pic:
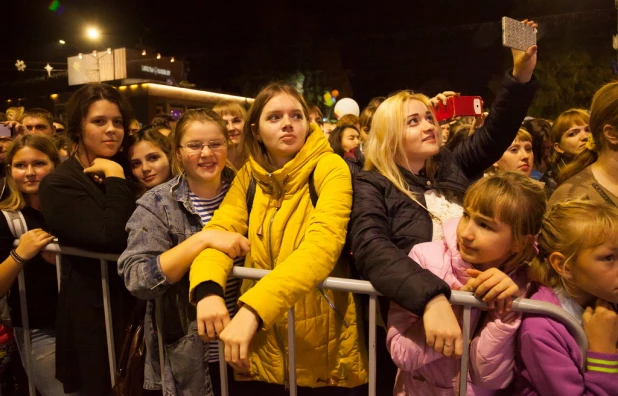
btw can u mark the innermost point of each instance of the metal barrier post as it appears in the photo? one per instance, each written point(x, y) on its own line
point(159, 322)
point(21, 280)
point(58, 269)
point(222, 369)
point(109, 330)
point(372, 344)
point(463, 372)
point(292, 351)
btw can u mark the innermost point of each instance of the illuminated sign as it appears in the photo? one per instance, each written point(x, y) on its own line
point(156, 70)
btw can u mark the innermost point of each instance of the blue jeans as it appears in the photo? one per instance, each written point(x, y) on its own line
point(43, 359)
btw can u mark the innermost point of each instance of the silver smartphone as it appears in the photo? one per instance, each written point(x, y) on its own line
point(517, 35)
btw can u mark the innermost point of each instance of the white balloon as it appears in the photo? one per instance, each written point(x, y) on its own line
point(346, 106)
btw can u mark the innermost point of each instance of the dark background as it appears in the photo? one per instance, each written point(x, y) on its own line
point(363, 49)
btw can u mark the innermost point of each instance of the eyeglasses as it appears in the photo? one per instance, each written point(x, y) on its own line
point(196, 147)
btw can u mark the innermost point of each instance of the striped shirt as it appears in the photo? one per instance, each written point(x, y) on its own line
point(206, 208)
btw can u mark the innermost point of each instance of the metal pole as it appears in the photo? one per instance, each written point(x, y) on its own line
point(372, 344)
point(292, 351)
point(109, 330)
point(58, 269)
point(463, 372)
point(26, 326)
point(222, 369)
point(159, 321)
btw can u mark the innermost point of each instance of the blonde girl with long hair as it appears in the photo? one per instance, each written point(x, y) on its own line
point(577, 270)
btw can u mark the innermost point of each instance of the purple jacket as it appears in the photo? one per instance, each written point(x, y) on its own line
point(422, 371)
point(549, 360)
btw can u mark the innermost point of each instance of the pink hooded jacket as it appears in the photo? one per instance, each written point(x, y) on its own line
point(423, 371)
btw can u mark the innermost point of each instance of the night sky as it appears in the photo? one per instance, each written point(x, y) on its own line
point(236, 47)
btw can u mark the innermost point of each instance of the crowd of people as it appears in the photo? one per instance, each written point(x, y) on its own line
point(503, 206)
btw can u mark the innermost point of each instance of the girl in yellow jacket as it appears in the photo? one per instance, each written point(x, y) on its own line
point(298, 242)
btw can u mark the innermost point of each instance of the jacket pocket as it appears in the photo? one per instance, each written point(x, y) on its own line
point(187, 358)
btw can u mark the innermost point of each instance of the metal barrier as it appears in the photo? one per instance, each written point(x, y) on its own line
point(70, 251)
point(337, 284)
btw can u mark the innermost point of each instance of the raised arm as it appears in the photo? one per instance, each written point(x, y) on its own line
point(508, 110)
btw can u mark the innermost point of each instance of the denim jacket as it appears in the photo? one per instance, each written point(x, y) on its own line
point(164, 218)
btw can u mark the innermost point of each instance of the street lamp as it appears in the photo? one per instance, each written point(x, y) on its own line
point(92, 33)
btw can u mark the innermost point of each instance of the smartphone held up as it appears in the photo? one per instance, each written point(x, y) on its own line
point(457, 106)
point(517, 35)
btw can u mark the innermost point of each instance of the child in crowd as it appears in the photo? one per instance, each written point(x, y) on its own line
point(484, 251)
point(576, 269)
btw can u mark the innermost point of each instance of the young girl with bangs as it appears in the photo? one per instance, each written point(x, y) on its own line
point(484, 251)
point(165, 236)
point(577, 270)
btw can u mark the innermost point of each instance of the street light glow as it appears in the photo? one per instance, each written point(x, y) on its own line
point(62, 42)
point(92, 33)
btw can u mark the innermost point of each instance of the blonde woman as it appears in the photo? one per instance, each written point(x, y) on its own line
point(234, 116)
point(411, 185)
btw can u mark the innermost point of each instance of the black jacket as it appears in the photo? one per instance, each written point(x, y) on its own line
point(83, 214)
point(385, 224)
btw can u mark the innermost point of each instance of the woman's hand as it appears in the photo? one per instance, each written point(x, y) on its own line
point(237, 336)
point(601, 327)
point(212, 317)
point(32, 242)
point(17, 129)
point(231, 243)
point(106, 168)
point(442, 330)
point(493, 287)
point(442, 97)
point(524, 62)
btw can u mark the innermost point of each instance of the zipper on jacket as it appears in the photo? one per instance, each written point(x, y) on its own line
point(272, 267)
point(333, 307)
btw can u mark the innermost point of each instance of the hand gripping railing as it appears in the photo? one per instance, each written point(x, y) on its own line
point(364, 287)
point(338, 284)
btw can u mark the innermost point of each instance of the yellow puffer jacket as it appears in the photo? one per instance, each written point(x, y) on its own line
point(301, 245)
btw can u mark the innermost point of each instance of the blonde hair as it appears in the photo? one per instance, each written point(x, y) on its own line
point(386, 138)
point(42, 143)
point(228, 107)
point(514, 199)
point(234, 109)
point(567, 228)
point(523, 136)
point(603, 111)
point(188, 118)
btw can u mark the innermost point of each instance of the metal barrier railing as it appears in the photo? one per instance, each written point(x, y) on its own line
point(337, 284)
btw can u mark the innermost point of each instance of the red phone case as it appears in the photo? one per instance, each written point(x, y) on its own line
point(459, 106)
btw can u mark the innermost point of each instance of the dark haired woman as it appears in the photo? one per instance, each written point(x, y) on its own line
point(29, 160)
point(150, 157)
point(87, 202)
point(345, 141)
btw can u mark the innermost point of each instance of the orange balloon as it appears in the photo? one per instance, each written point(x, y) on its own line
point(335, 93)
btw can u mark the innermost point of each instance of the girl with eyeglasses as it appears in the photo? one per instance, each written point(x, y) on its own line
point(165, 236)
